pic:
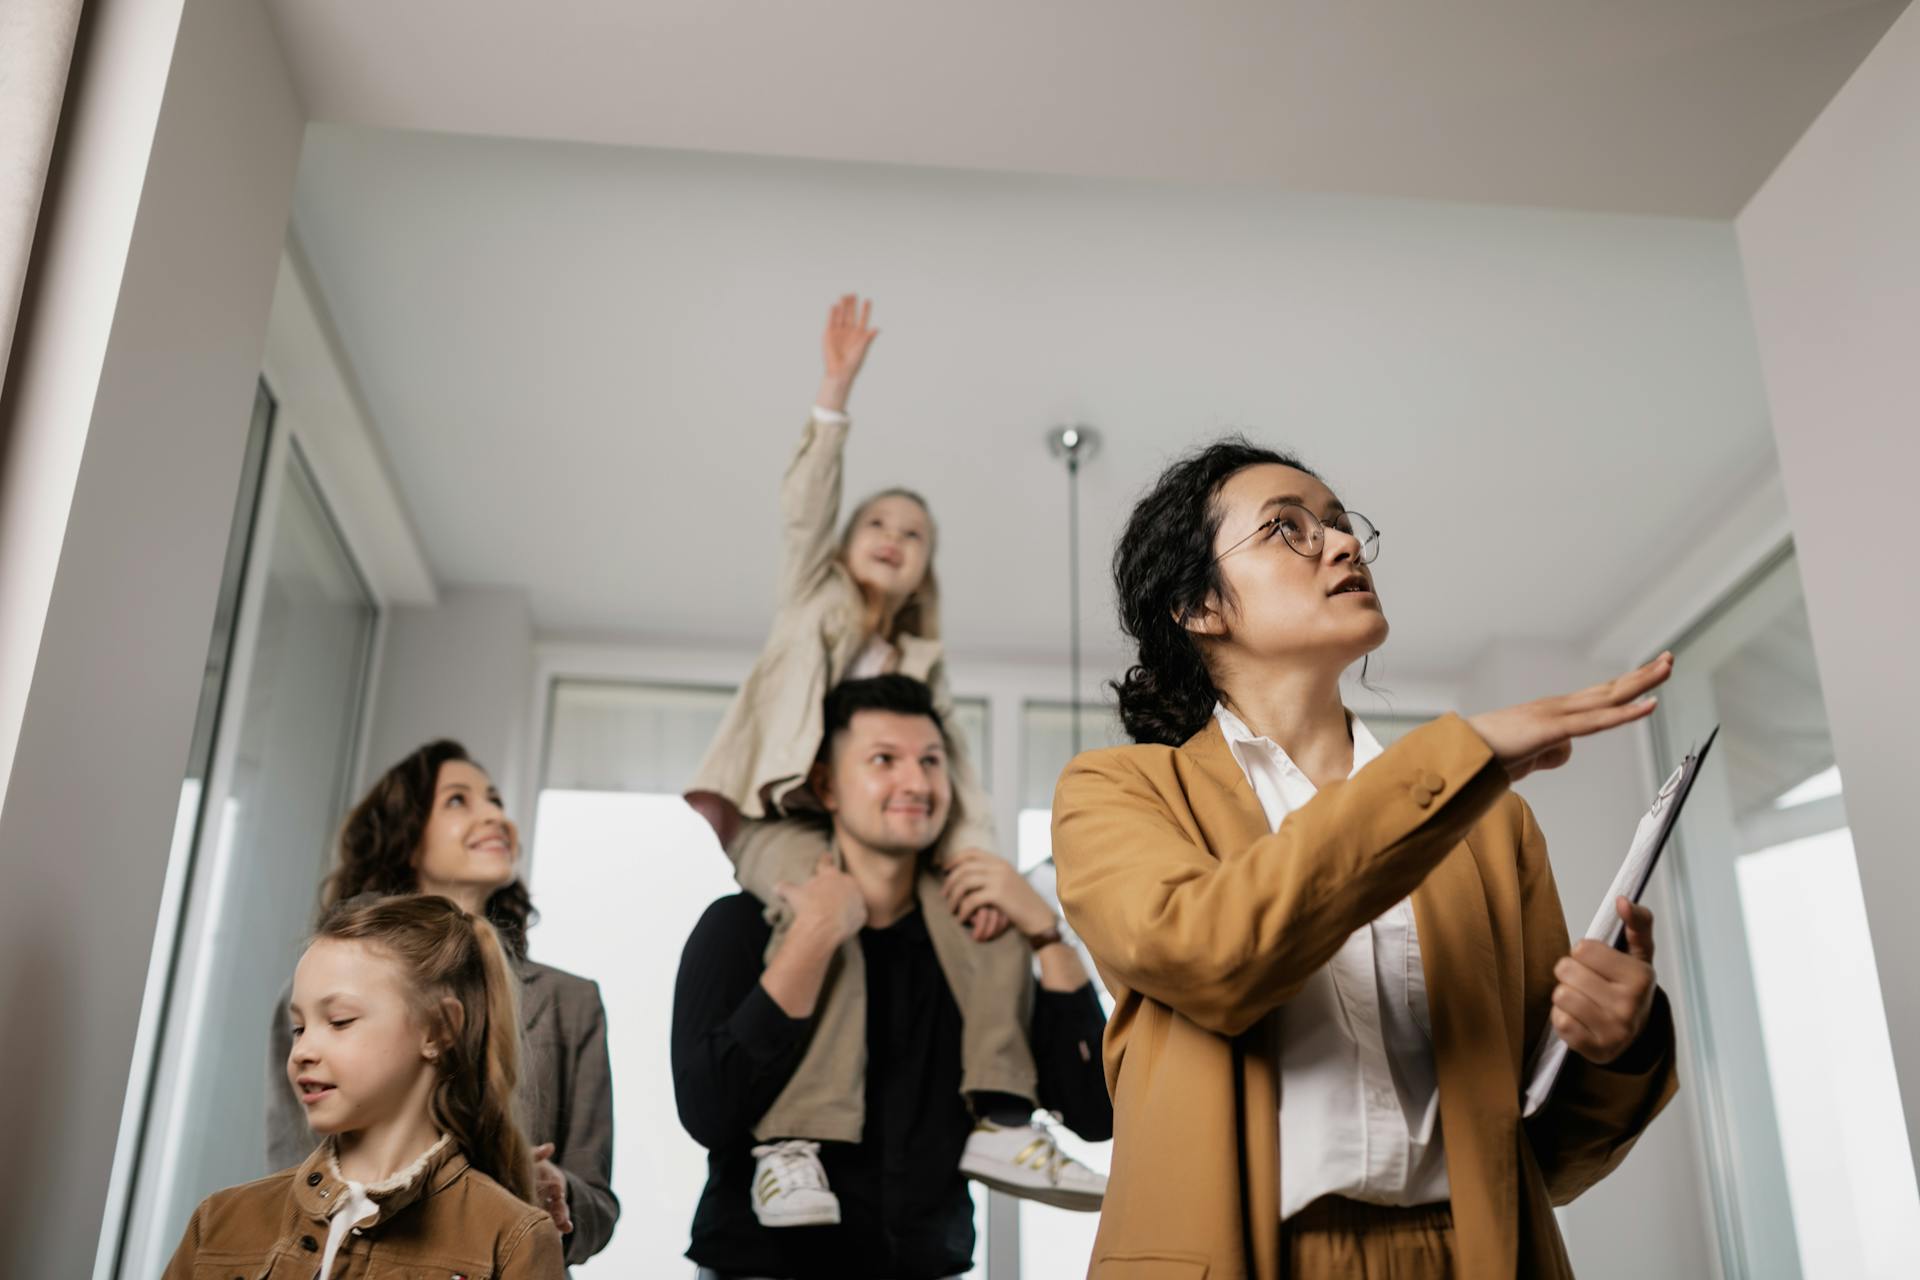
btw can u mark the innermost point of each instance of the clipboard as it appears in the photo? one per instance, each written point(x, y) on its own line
point(1643, 855)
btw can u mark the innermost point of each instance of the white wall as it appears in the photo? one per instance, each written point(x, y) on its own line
point(604, 339)
point(1588, 811)
point(86, 226)
point(460, 669)
point(135, 394)
point(35, 56)
point(1833, 270)
point(317, 398)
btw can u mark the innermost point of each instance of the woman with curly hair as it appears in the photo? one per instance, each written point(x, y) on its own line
point(1330, 960)
point(434, 824)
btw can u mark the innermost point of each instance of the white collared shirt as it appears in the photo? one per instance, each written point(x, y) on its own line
point(1359, 1104)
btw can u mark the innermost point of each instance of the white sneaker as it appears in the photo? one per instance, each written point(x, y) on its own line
point(1023, 1161)
point(790, 1186)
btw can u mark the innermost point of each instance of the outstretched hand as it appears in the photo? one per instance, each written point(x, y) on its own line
point(1540, 734)
point(844, 344)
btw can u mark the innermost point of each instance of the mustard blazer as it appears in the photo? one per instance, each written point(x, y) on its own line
point(1203, 923)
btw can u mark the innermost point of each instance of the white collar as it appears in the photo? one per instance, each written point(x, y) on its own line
point(1366, 748)
point(393, 1182)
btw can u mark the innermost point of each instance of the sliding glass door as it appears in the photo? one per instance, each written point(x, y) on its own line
point(1812, 1173)
point(280, 725)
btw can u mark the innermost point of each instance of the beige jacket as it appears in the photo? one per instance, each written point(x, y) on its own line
point(767, 742)
point(1203, 922)
point(447, 1220)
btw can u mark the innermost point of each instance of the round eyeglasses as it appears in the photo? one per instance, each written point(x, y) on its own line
point(1306, 533)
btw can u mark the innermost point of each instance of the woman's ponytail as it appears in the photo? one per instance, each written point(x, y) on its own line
point(464, 991)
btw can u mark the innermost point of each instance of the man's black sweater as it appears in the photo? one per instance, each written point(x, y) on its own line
point(905, 1212)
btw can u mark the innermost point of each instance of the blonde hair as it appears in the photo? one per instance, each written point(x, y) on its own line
point(920, 615)
point(447, 956)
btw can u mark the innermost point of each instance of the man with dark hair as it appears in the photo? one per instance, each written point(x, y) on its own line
point(743, 1021)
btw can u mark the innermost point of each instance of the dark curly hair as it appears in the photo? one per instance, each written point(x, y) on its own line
point(1163, 570)
point(380, 837)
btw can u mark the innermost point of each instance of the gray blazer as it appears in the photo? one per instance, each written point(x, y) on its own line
point(566, 1096)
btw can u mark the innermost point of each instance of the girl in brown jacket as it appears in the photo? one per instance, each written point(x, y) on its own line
point(1330, 961)
point(406, 1050)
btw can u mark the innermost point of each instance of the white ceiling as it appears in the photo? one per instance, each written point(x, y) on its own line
point(1648, 106)
point(589, 365)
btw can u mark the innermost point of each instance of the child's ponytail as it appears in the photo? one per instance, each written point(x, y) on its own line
point(465, 992)
point(498, 1146)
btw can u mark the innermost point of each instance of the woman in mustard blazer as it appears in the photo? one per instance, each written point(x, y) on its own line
point(1330, 961)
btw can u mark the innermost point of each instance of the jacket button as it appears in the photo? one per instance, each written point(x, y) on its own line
point(1422, 797)
point(1433, 782)
point(309, 1244)
point(313, 1179)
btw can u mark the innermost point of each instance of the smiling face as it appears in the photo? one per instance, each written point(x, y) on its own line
point(889, 546)
point(885, 782)
point(360, 1056)
point(1279, 605)
point(470, 847)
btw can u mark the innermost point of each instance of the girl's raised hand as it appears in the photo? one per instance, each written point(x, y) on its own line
point(844, 344)
point(1540, 734)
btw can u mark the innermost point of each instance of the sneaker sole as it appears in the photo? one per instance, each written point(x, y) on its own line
point(1057, 1197)
point(817, 1218)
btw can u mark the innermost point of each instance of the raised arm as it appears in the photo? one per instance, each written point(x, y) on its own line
point(810, 494)
point(844, 349)
point(1224, 936)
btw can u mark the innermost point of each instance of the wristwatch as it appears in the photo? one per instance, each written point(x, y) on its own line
point(1046, 938)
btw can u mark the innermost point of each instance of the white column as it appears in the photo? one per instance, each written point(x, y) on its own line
point(127, 415)
point(36, 49)
point(1833, 270)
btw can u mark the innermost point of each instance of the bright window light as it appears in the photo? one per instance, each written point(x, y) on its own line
point(1035, 837)
point(619, 880)
point(1820, 786)
point(1849, 1170)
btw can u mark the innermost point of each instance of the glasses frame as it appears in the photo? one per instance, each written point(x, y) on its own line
point(1369, 547)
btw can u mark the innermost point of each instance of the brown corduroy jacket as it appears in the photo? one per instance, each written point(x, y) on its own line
point(565, 1095)
point(450, 1220)
point(1204, 922)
